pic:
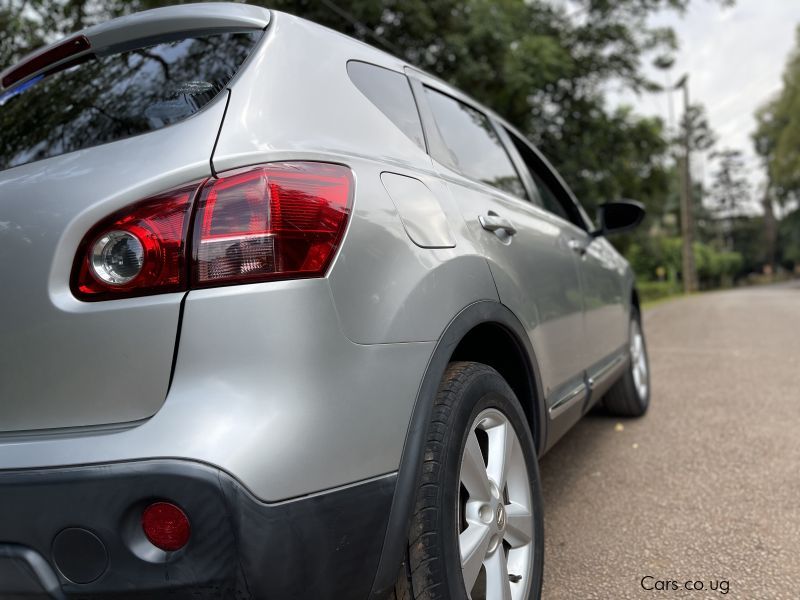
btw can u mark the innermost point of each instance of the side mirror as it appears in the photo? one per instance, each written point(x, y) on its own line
point(618, 216)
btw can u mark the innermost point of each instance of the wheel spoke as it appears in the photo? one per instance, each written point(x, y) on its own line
point(498, 587)
point(495, 540)
point(473, 470)
point(519, 525)
point(501, 446)
point(473, 542)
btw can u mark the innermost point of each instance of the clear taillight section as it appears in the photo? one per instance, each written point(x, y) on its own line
point(137, 251)
point(261, 223)
point(276, 221)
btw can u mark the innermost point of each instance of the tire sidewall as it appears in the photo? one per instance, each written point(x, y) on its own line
point(485, 391)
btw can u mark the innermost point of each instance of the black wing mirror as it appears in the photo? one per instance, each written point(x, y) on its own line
point(618, 216)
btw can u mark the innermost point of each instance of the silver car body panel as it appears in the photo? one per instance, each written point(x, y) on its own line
point(177, 20)
point(292, 387)
point(67, 363)
point(386, 289)
point(286, 411)
point(420, 211)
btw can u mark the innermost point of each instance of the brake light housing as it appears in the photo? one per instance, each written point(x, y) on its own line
point(260, 223)
point(48, 57)
point(137, 251)
point(275, 221)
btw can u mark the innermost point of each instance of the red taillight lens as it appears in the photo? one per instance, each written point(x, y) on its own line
point(274, 221)
point(166, 526)
point(137, 251)
point(262, 223)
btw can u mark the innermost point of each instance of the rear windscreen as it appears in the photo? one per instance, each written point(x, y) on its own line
point(106, 98)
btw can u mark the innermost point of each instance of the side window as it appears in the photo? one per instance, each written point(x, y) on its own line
point(474, 146)
point(549, 201)
point(553, 198)
point(390, 91)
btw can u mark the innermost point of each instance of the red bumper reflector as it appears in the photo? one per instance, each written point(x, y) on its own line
point(166, 526)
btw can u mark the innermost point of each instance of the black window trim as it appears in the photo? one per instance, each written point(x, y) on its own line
point(434, 144)
point(548, 174)
point(433, 137)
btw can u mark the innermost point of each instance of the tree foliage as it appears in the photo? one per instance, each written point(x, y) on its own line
point(777, 137)
point(544, 66)
point(730, 190)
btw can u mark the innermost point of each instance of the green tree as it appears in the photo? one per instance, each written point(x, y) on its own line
point(730, 189)
point(777, 141)
point(730, 193)
point(777, 138)
point(543, 65)
point(789, 238)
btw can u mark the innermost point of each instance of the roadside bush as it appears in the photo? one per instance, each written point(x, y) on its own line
point(657, 259)
point(655, 290)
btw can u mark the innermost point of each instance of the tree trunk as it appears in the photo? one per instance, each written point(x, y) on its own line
point(770, 230)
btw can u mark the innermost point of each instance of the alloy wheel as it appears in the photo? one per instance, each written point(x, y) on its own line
point(639, 361)
point(495, 524)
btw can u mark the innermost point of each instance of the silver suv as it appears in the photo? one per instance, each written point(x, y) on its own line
point(284, 317)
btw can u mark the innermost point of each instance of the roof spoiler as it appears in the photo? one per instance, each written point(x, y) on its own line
point(139, 29)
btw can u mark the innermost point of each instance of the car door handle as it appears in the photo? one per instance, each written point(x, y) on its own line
point(577, 246)
point(493, 222)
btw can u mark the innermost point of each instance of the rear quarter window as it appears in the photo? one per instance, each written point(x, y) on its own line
point(105, 98)
point(475, 150)
point(391, 92)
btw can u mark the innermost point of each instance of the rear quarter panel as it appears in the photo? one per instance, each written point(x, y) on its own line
point(296, 102)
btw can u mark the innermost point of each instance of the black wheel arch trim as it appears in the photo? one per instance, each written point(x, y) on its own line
point(478, 313)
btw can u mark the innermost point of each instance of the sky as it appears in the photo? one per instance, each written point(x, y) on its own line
point(735, 59)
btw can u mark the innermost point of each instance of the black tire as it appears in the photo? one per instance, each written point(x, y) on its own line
point(624, 399)
point(432, 570)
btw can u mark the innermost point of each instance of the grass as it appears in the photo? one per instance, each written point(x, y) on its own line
point(664, 299)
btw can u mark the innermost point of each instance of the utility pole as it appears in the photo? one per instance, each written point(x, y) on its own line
point(687, 207)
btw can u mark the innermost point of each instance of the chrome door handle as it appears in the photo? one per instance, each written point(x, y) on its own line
point(577, 246)
point(493, 222)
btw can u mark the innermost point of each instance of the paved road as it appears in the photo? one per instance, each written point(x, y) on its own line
point(706, 487)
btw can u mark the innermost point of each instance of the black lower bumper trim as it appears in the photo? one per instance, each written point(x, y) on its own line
point(321, 546)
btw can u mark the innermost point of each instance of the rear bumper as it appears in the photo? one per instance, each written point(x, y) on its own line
point(322, 546)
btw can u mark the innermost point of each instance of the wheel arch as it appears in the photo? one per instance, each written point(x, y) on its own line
point(635, 303)
point(475, 334)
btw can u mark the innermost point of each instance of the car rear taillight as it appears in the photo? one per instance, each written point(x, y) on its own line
point(276, 221)
point(139, 250)
point(261, 223)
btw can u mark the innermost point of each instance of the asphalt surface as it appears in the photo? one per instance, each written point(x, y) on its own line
point(704, 488)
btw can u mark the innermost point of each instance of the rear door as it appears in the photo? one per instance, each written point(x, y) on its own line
point(80, 142)
point(528, 250)
point(602, 269)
